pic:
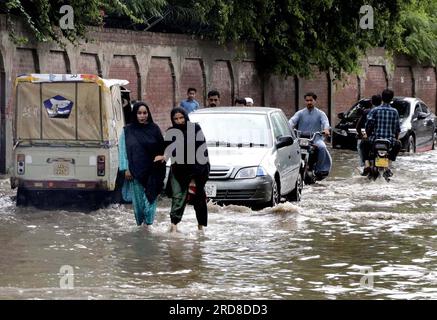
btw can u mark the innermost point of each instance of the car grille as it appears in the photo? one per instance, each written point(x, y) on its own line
point(220, 172)
point(235, 194)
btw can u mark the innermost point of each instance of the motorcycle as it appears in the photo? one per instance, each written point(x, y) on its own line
point(380, 162)
point(309, 154)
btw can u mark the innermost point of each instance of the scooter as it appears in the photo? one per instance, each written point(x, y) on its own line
point(380, 162)
point(309, 153)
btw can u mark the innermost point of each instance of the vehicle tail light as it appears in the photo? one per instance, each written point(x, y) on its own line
point(21, 160)
point(100, 166)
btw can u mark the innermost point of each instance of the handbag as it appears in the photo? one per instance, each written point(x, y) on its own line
point(126, 191)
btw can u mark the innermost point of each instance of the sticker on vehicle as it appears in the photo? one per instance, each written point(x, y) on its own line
point(58, 107)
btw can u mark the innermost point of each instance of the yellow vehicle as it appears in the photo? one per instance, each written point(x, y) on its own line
point(66, 131)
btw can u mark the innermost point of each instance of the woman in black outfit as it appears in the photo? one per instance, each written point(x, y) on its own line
point(189, 172)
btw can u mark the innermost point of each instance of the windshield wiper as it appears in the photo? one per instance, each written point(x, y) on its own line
point(235, 144)
point(251, 144)
point(219, 143)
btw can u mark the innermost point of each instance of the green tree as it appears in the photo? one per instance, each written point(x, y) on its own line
point(418, 23)
point(42, 18)
point(291, 37)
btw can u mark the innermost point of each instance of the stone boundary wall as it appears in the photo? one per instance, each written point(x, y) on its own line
point(160, 68)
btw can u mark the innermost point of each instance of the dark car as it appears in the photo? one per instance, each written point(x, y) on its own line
point(344, 135)
point(417, 124)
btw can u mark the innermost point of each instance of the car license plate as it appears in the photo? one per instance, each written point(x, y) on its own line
point(381, 162)
point(61, 169)
point(211, 190)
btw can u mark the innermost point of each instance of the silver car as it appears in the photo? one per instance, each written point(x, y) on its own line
point(417, 124)
point(255, 157)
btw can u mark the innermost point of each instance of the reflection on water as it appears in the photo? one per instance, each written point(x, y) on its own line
point(349, 238)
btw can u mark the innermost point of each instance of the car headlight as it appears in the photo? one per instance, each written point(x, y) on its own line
point(251, 172)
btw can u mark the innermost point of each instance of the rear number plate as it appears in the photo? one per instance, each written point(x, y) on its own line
point(211, 190)
point(381, 162)
point(61, 168)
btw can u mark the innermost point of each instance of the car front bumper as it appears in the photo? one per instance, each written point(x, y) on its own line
point(243, 191)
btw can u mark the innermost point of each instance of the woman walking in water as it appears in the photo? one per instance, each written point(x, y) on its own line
point(141, 157)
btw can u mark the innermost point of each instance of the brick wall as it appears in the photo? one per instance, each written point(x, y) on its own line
point(375, 81)
point(58, 62)
point(2, 115)
point(427, 86)
point(160, 68)
point(320, 86)
point(159, 91)
point(193, 76)
point(250, 83)
point(125, 67)
point(346, 94)
point(89, 63)
point(282, 93)
point(25, 62)
point(403, 81)
point(223, 82)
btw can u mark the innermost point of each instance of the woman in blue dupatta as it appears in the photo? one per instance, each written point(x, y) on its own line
point(141, 149)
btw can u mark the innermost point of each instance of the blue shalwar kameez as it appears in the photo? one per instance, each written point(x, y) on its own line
point(144, 210)
point(313, 121)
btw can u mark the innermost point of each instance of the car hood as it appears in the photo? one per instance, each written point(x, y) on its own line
point(244, 157)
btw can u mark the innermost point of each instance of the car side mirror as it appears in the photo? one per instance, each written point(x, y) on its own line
point(284, 141)
point(422, 115)
point(340, 115)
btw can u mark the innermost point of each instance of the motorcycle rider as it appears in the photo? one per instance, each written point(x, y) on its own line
point(310, 120)
point(383, 123)
point(361, 124)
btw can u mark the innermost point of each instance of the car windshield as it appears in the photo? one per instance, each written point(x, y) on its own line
point(355, 111)
point(234, 129)
point(403, 108)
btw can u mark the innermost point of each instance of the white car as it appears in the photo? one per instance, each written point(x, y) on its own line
point(254, 155)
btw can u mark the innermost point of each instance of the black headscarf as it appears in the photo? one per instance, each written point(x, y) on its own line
point(135, 108)
point(143, 143)
point(184, 172)
point(184, 113)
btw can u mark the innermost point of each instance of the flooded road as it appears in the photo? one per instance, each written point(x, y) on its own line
point(349, 238)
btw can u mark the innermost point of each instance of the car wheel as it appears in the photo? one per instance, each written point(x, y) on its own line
point(411, 146)
point(309, 177)
point(276, 195)
point(296, 194)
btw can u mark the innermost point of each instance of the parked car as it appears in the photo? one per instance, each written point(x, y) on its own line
point(417, 124)
point(344, 134)
point(254, 155)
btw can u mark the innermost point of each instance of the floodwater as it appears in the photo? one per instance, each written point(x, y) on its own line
point(349, 238)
